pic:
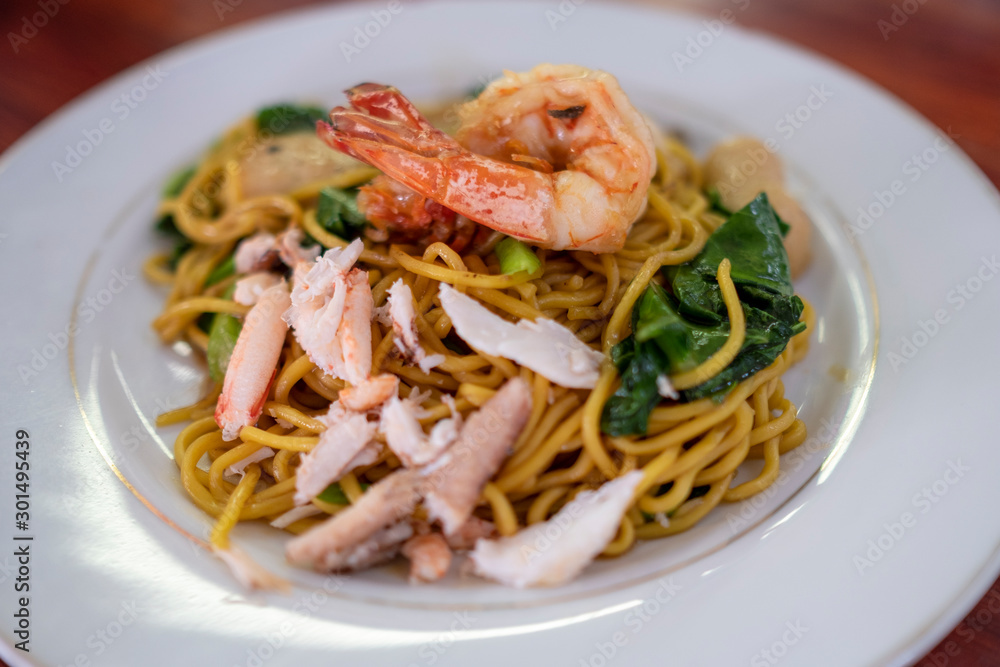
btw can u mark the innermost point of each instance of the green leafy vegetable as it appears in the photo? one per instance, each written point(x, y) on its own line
point(337, 212)
point(222, 336)
point(334, 495)
point(288, 118)
point(515, 256)
point(167, 227)
point(222, 271)
point(675, 332)
point(175, 184)
point(715, 201)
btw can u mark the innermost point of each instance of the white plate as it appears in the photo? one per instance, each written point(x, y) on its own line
point(844, 563)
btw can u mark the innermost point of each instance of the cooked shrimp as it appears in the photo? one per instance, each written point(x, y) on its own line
point(552, 552)
point(429, 557)
point(456, 479)
point(252, 364)
point(589, 152)
point(743, 167)
point(331, 311)
point(332, 544)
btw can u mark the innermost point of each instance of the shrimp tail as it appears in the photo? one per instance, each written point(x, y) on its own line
point(388, 103)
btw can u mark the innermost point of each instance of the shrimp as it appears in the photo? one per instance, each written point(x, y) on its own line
point(557, 156)
point(252, 364)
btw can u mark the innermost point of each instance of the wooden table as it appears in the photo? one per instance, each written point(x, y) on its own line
point(944, 60)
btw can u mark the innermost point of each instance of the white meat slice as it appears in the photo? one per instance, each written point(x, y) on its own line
point(544, 346)
point(346, 435)
point(290, 250)
point(470, 532)
point(370, 394)
point(240, 467)
point(248, 572)
point(404, 327)
point(455, 480)
point(256, 253)
point(249, 288)
point(330, 545)
point(555, 551)
point(429, 557)
point(331, 313)
point(295, 514)
point(400, 423)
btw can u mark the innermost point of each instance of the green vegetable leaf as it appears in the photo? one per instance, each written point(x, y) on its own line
point(222, 271)
point(288, 118)
point(175, 184)
point(627, 411)
point(715, 201)
point(515, 256)
point(167, 227)
point(675, 332)
point(222, 337)
point(337, 212)
point(751, 239)
point(335, 495)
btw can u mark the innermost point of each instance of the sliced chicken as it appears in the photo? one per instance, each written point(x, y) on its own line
point(370, 394)
point(347, 434)
point(544, 346)
point(332, 545)
point(455, 481)
point(287, 162)
point(555, 551)
point(429, 557)
point(404, 327)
